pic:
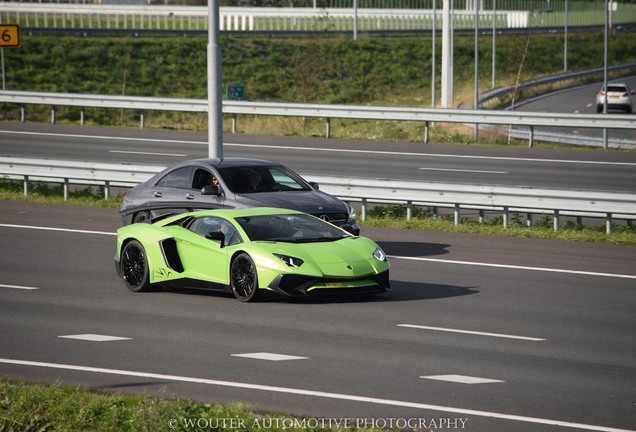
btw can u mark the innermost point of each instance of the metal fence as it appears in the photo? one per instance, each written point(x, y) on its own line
point(337, 16)
point(506, 200)
point(234, 108)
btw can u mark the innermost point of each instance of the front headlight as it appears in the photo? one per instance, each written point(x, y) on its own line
point(352, 214)
point(379, 255)
point(289, 260)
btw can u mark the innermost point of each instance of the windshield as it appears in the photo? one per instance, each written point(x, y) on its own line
point(262, 179)
point(293, 228)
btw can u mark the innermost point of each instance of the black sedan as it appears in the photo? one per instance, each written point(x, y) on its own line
point(232, 183)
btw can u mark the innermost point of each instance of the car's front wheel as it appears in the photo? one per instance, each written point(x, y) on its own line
point(243, 278)
point(134, 267)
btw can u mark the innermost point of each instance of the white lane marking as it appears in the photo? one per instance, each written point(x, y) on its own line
point(464, 170)
point(314, 149)
point(18, 287)
point(57, 229)
point(462, 379)
point(503, 158)
point(514, 267)
point(499, 335)
point(269, 356)
point(390, 256)
point(94, 337)
point(313, 393)
point(148, 153)
point(100, 137)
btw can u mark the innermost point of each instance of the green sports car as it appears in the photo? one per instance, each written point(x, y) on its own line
point(250, 252)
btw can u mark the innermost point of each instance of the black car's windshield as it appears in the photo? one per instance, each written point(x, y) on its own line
point(294, 228)
point(261, 179)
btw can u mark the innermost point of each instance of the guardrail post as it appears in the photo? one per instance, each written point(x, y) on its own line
point(529, 220)
point(506, 218)
point(233, 123)
point(26, 185)
point(409, 210)
point(481, 216)
point(23, 114)
point(364, 209)
point(426, 132)
point(143, 119)
point(608, 224)
point(456, 214)
point(52, 114)
point(106, 189)
point(328, 133)
point(531, 138)
point(82, 115)
point(66, 189)
point(556, 220)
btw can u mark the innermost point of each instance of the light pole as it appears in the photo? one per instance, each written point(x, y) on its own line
point(215, 95)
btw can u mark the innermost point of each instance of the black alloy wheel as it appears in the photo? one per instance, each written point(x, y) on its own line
point(243, 278)
point(134, 267)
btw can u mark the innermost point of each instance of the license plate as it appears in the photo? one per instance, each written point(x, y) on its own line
point(334, 284)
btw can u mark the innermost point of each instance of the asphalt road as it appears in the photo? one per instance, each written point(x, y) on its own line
point(493, 334)
point(563, 169)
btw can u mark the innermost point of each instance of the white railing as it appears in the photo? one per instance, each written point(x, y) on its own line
point(530, 200)
point(244, 18)
point(426, 115)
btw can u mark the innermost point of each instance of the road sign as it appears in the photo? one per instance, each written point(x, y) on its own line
point(9, 36)
point(236, 91)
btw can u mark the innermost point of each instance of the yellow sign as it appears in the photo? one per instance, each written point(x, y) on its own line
point(9, 36)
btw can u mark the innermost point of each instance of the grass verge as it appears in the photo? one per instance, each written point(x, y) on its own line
point(34, 408)
point(392, 216)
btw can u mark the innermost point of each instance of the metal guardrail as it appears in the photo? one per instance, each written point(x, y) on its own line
point(426, 115)
point(529, 200)
point(503, 92)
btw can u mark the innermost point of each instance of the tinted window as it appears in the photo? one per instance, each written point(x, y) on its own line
point(262, 179)
point(616, 89)
point(292, 228)
point(176, 179)
point(205, 225)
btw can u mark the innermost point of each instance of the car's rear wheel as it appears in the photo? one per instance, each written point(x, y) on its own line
point(134, 267)
point(243, 278)
point(142, 216)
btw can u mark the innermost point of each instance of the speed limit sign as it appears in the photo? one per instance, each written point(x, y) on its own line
point(9, 36)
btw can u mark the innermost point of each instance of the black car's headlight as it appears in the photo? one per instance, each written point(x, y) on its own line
point(352, 213)
point(290, 260)
point(379, 255)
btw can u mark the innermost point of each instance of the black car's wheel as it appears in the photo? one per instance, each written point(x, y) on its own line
point(134, 267)
point(243, 278)
point(142, 216)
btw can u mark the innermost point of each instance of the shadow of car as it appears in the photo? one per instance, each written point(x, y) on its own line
point(232, 183)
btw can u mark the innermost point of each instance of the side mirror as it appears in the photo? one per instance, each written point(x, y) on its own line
point(217, 236)
point(314, 185)
point(211, 190)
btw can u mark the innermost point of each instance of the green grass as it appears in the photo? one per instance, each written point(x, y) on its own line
point(372, 71)
point(392, 216)
point(34, 408)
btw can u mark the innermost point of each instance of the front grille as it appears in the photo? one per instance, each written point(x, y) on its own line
point(334, 218)
point(295, 285)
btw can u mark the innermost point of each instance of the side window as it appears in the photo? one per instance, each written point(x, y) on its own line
point(203, 178)
point(176, 179)
point(208, 224)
